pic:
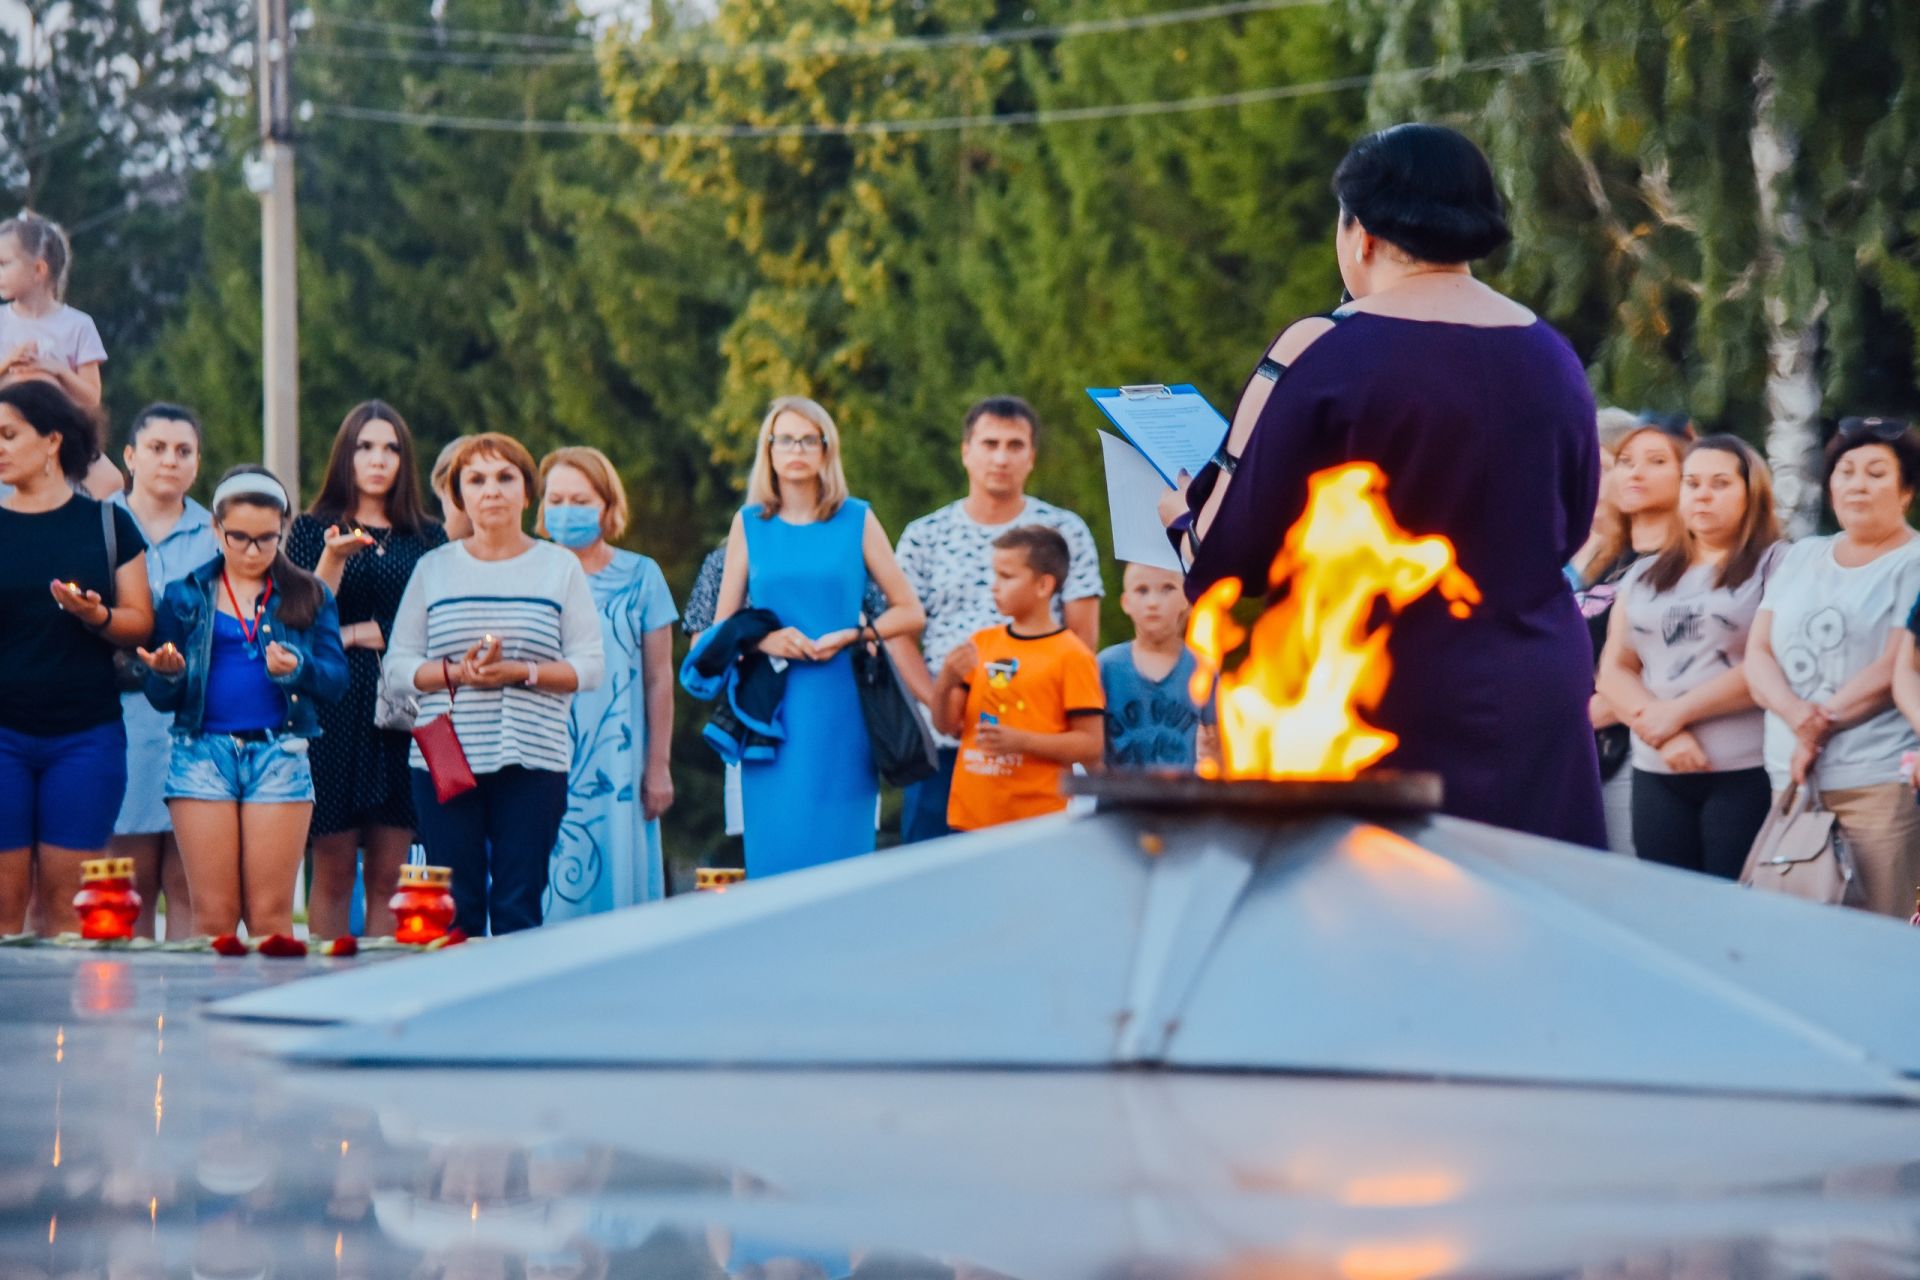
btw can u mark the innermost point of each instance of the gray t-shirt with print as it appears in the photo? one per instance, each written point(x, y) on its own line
point(1685, 637)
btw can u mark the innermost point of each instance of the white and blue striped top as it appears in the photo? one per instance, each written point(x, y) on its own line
point(540, 606)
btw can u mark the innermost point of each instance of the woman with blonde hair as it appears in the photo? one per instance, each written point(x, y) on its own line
point(1675, 666)
point(803, 550)
point(608, 853)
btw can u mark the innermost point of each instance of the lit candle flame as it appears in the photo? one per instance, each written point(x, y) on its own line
point(1291, 709)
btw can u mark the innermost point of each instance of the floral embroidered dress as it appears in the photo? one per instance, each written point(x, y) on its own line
point(608, 855)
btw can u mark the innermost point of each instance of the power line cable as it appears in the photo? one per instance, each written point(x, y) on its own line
point(937, 124)
point(847, 46)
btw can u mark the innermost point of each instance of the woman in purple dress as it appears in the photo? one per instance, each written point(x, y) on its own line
point(1481, 418)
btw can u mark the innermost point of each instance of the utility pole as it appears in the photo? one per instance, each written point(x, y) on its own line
point(271, 178)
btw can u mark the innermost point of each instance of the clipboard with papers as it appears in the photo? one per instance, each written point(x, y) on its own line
point(1173, 427)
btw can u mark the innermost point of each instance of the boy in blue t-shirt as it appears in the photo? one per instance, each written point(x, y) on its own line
point(1152, 722)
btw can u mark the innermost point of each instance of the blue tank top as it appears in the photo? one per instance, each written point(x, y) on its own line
point(240, 694)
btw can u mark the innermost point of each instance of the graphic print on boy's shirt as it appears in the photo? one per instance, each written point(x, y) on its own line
point(1033, 683)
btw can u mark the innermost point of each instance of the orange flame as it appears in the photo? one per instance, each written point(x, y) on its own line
point(1291, 709)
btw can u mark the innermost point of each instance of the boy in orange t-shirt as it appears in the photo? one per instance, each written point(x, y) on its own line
point(1024, 698)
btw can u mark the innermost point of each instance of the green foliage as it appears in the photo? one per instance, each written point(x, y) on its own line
point(1629, 160)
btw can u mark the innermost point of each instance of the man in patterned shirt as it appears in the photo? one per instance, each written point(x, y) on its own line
point(948, 557)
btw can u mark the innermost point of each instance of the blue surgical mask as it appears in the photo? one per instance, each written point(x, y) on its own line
point(574, 527)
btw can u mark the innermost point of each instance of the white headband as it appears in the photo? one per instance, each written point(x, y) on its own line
point(251, 484)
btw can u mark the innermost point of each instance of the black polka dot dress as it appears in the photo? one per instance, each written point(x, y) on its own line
point(360, 774)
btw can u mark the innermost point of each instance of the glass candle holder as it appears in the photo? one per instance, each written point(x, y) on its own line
point(108, 904)
point(422, 905)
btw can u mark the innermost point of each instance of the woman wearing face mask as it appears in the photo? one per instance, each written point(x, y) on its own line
point(1644, 486)
point(163, 457)
point(1822, 655)
point(363, 536)
point(243, 647)
point(608, 854)
point(498, 631)
point(1674, 666)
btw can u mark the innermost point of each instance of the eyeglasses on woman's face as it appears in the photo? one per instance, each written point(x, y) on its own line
point(263, 542)
point(781, 442)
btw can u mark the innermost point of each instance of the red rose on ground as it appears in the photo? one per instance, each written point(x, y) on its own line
point(347, 946)
point(229, 945)
point(280, 946)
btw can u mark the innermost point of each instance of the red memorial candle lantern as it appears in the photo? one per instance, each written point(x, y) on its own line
point(422, 906)
point(717, 879)
point(107, 903)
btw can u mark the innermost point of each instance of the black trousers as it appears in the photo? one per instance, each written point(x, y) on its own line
point(497, 839)
point(1699, 821)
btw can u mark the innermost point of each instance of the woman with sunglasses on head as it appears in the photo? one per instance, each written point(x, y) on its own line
point(362, 537)
point(163, 457)
point(803, 549)
point(243, 648)
point(1674, 666)
point(498, 631)
point(68, 598)
point(1822, 655)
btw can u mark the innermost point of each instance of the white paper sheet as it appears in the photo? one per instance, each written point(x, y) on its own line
point(1133, 496)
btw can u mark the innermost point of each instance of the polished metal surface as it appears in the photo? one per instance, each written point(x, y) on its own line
point(138, 1140)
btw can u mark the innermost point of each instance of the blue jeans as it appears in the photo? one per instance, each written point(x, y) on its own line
point(924, 815)
point(497, 840)
point(62, 790)
point(219, 766)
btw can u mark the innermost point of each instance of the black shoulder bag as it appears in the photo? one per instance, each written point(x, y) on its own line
point(127, 670)
point(903, 748)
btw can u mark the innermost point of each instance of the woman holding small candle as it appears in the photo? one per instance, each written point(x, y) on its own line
point(496, 632)
point(243, 648)
point(363, 536)
point(1823, 650)
point(63, 748)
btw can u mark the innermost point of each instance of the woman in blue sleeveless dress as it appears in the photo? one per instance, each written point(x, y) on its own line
point(803, 549)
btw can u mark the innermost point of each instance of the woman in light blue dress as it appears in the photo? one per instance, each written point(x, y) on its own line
point(163, 457)
point(608, 852)
point(804, 550)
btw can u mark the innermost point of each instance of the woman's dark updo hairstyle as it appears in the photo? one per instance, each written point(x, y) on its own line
point(49, 411)
point(1426, 190)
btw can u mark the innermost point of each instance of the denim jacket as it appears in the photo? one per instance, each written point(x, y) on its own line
point(184, 618)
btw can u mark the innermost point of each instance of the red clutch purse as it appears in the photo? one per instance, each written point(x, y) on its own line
point(440, 748)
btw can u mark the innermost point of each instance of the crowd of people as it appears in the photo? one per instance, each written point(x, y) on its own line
point(224, 693)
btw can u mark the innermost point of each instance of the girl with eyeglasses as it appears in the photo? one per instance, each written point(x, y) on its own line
point(1824, 651)
point(243, 648)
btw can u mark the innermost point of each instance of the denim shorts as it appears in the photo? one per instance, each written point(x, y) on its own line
point(219, 766)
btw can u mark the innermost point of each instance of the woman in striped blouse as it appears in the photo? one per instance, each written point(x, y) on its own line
point(509, 622)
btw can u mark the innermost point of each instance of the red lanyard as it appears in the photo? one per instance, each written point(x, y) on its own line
point(259, 606)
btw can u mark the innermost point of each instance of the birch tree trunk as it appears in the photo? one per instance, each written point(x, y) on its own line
point(1793, 340)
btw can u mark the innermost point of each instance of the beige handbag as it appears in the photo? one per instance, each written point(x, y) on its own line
point(1800, 852)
